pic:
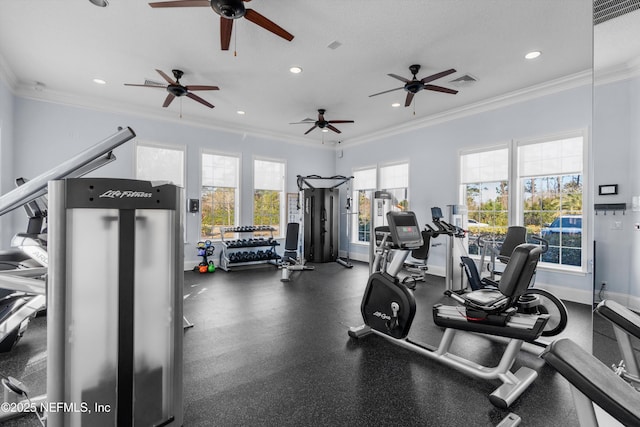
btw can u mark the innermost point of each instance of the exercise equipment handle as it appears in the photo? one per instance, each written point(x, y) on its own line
point(543, 242)
point(455, 296)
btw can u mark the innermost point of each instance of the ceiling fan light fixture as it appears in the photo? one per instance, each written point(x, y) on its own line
point(533, 54)
point(325, 130)
point(100, 3)
point(295, 70)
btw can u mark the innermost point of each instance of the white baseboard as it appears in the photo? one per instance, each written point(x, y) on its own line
point(581, 296)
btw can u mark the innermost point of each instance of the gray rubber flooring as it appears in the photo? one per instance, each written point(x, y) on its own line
point(268, 353)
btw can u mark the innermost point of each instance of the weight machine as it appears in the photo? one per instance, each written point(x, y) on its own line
point(320, 218)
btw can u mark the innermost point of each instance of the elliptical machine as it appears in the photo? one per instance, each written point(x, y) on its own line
point(388, 309)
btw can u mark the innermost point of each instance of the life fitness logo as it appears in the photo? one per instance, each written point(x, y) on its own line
point(127, 194)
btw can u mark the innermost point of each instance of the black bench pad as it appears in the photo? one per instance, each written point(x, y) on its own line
point(595, 380)
point(621, 316)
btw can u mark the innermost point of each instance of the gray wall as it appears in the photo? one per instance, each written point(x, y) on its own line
point(616, 154)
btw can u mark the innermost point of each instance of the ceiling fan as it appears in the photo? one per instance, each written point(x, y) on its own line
point(228, 11)
point(321, 122)
point(176, 89)
point(414, 85)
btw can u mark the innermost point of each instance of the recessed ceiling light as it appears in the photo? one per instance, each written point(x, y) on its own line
point(240, 112)
point(99, 81)
point(395, 104)
point(532, 55)
point(295, 70)
point(100, 3)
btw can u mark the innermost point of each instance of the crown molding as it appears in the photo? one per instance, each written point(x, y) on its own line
point(114, 107)
point(617, 73)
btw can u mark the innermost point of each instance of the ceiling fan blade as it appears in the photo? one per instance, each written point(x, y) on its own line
point(440, 89)
point(333, 128)
point(395, 76)
point(168, 100)
point(181, 3)
point(226, 26)
point(196, 87)
point(386, 91)
point(437, 76)
point(268, 25)
point(340, 121)
point(314, 126)
point(200, 100)
point(409, 99)
point(156, 86)
point(303, 122)
point(166, 77)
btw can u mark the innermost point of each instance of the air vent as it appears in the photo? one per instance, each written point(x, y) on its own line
point(464, 81)
point(604, 10)
point(334, 45)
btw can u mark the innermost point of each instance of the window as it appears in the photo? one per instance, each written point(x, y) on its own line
point(268, 194)
point(485, 188)
point(160, 163)
point(542, 187)
point(395, 180)
point(364, 184)
point(551, 187)
point(219, 194)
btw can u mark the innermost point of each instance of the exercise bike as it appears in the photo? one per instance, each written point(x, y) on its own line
point(388, 309)
point(533, 300)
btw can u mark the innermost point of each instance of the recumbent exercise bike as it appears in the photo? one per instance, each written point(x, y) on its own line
point(388, 309)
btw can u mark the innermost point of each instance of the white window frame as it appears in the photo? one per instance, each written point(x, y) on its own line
point(516, 194)
point(238, 195)
point(519, 210)
point(283, 192)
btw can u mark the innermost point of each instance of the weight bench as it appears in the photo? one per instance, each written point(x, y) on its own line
point(593, 382)
point(626, 324)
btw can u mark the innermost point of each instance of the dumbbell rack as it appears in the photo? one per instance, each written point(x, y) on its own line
point(243, 252)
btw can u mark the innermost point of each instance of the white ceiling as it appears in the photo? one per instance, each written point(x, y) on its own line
point(64, 44)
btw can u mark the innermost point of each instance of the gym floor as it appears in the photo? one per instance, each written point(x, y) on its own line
point(264, 352)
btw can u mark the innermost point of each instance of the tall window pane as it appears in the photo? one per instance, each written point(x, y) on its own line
point(268, 196)
point(395, 180)
point(364, 184)
point(551, 181)
point(219, 194)
point(485, 186)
